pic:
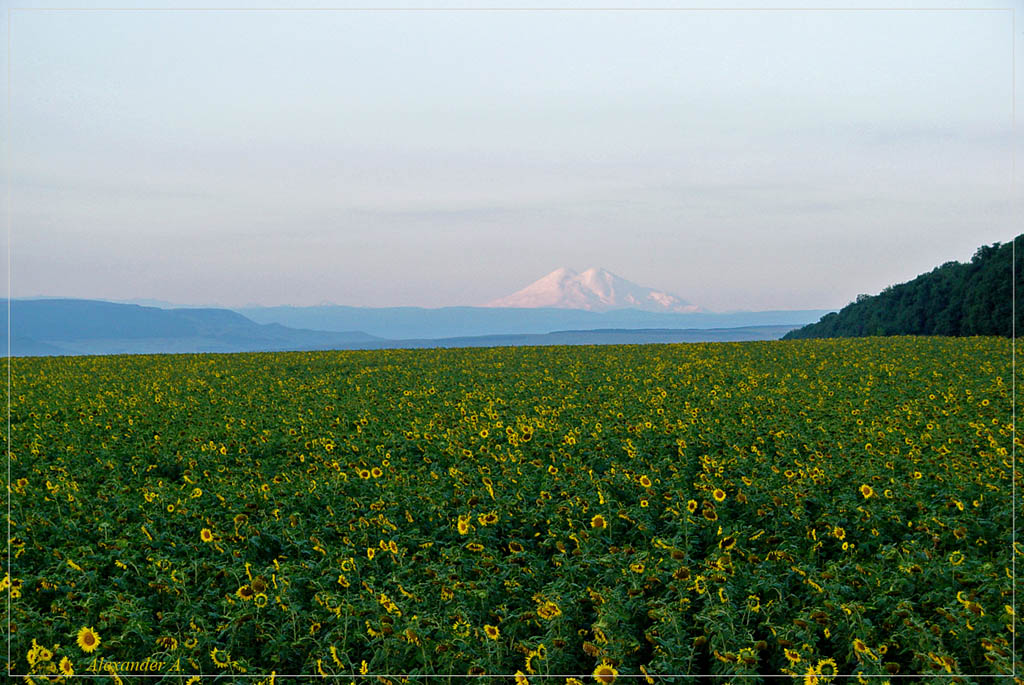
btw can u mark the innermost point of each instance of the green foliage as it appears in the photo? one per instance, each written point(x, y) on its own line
point(975, 298)
point(804, 508)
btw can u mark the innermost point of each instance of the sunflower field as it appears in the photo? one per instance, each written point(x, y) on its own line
point(811, 508)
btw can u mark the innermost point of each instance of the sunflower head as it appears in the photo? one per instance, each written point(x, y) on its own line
point(88, 639)
point(605, 673)
point(65, 667)
point(867, 491)
point(245, 593)
point(220, 657)
point(206, 535)
point(645, 481)
point(598, 522)
point(492, 632)
point(718, 494)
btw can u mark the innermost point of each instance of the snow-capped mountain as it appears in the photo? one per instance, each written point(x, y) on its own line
point(595, 290)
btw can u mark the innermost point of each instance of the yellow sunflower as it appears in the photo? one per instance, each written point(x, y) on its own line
point(88, 639)
point(867, 491)
point(719, 495)
point(65, 667)
point(492, 632)
point(605, 673)
point(598, 522)
point(206, 535)
point(549, 610)
point(220, 657)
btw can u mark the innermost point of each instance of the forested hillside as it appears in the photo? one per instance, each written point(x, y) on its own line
point(957, 299)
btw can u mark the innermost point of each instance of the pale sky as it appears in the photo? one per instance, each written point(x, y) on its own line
point(739, 159)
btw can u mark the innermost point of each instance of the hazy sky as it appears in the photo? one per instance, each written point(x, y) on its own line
point(740, 159)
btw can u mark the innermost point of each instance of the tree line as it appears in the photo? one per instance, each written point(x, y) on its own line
point(955, 299)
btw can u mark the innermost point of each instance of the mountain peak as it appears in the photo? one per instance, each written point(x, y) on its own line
point(595, 289)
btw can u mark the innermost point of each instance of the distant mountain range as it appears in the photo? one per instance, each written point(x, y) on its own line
point(960, 299)
point(404, 323)
point(594, 290)
point(66, 326)
point(56, 326)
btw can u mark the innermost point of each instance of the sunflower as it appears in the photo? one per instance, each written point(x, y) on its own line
point(206, 535)
point(244, 593)
point(259, 584)
point(488, 519)
point(792, 656)
point(475, 547)
point(644, 504)
point(859, 647)
point(260, 600)
point(956, 558)
point(636, 568)
point(167, 642)
point(598, 522)
point(830, 665)
point(691, 506)
point(515, 547)
point(220, 657)
point(867, 491)
point(605, 673)
point(88, 639)
point(727, 543)
point(645, 481)
point(492, 632)
point(549, 610)
point(719, 495)
point(370, 551)
point(65, 667)
point(521, 678)
point(463, 525)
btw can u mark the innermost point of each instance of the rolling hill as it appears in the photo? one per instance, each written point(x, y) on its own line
point(956, 299)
